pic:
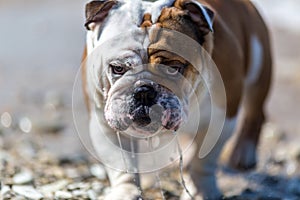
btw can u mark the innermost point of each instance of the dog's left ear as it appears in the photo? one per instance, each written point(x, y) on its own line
point(200, 14)
point(97, 11)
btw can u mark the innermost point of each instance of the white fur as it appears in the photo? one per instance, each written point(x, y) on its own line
point(256, 58)
point(206, 16)
point(157, 7)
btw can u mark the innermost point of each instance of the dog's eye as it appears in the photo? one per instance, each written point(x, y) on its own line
point(174, 70)
point(118, 69)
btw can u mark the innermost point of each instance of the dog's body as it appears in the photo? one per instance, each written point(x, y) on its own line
point(239, 46)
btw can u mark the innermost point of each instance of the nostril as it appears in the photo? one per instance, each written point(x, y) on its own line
point(145, 95)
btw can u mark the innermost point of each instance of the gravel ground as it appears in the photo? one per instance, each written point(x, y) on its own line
point(41, 156)
point(29, 171)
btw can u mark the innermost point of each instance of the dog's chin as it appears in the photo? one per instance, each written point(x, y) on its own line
point(148, 127)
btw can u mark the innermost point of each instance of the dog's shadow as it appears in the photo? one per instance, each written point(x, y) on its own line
point(257, 185)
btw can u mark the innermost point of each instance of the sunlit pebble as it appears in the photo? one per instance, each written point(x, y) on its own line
point(63, 195)
point(25, 125)
point(6, 120)
point(4, 190)
point(98, 171)
point(91, 194)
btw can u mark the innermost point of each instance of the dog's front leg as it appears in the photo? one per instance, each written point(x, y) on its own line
point(202, 181)
point(124, 186)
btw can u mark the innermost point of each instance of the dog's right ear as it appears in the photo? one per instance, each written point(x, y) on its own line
point(97, 11)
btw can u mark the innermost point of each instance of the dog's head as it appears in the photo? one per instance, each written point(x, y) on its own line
point(140, 83)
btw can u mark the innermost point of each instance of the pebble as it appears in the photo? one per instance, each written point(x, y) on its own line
point(63, 195)
point(23, 177)
point(25, 124)
point(50, 188)
point(4, 190)
point(6, 120)
point(98, 171)
point(97, 187)
point(79, 186)
point(80, 193)
point(28, 192)
point(92, 195)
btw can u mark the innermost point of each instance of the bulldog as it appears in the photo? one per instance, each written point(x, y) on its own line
point(137, 82)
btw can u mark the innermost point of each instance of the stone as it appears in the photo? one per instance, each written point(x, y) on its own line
point(97, 187)
point(23, 177)
point(27, 191)
point(80, 193)
point(78, 186)
point(25, 124)
point(92, 195)
point(4, 190)
point(63, 195)
point(51, 188)
point(6, 120)
point(98, 171)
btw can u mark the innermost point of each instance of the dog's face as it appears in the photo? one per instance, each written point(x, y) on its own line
point(144, 86)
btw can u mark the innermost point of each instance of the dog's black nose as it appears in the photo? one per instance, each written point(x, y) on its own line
point(145, 95)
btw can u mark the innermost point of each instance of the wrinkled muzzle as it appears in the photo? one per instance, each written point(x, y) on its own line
point(144, 109)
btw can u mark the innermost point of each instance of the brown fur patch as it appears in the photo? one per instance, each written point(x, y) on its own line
point(146, 21)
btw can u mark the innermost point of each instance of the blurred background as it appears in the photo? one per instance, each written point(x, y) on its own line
point(41, 43)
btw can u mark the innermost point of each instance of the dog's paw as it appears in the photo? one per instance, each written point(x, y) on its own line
point(124, 192)
point(243, 156)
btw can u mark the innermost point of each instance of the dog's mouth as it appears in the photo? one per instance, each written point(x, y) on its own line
point(145, 111)
point(150, 120)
